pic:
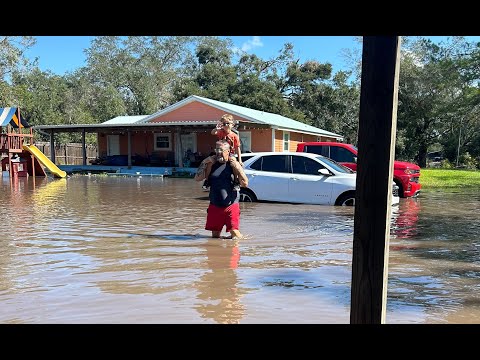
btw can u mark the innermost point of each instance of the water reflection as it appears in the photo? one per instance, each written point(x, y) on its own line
point(218, 287)
point(437, 262)
point(130, 250)
point(405, 218)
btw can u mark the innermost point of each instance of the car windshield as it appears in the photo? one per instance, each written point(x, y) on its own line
point(334, 165)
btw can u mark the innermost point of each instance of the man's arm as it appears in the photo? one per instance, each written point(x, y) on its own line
point(239, 153)
point(238, 172)
point(204, 168)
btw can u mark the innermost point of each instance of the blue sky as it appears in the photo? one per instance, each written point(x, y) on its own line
point(61, 54)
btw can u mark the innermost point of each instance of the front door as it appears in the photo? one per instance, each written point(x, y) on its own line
point(113, 145)
point(245, 141)
point(189, 142)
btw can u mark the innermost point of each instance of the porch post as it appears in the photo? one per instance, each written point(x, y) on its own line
point(178, 146)
point(10, 170)
point(84, 149)
point(129, 142)
point(273, 139)
point(52, 146)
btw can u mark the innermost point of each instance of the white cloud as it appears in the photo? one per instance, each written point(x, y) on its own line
point(253, 43)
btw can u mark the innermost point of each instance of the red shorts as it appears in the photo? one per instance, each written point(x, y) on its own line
point(219, 216)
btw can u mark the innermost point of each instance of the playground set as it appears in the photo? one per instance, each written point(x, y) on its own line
point(18, 153)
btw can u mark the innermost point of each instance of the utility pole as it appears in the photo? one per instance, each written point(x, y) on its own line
point(376, 148)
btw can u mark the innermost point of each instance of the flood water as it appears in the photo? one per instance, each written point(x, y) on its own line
point(134, 250)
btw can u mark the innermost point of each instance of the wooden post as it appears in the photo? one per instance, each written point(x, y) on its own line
point(10, 170)
point(19, 121)
point(178, 131)
point(129, 149)
point(84, 149)
point(32, 142)
point(376, 148)
point(52, 146)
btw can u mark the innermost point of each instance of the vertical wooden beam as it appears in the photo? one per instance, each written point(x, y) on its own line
point(273, 139)
point(10, 170)
point(129, 144)
point(376, 148)
point(19, 121)
point(32, 159)
point(32, 142)
point(52, 146)
point(84, 148)
point(178, 142)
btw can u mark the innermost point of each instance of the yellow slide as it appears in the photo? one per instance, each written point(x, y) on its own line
point(45, 161)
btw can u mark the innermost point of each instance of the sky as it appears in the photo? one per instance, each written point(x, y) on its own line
point(62, 54)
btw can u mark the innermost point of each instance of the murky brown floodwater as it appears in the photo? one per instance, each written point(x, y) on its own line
point(133, 250)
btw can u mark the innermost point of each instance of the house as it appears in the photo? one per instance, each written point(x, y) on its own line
point(167, 136)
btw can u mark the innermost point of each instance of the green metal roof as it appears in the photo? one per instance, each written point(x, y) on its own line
point(276, 121)
point(120, 120)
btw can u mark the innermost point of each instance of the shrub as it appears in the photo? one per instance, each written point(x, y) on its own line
point(468, 161)
point(445, 164)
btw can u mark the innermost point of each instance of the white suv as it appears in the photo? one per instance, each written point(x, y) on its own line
point(296, 177)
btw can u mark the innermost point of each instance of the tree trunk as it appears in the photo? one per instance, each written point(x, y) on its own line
point(422, 156)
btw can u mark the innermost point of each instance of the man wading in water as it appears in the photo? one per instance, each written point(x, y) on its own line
point(224, 208)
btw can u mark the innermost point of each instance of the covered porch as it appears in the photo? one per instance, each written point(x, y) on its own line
point(133, 145)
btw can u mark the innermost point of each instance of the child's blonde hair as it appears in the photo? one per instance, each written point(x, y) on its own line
point(228, 118)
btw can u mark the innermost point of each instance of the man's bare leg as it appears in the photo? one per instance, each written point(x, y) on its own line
point(216, 234)
point(236, 234)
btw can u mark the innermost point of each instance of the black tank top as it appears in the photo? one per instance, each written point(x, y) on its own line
point(221, 181)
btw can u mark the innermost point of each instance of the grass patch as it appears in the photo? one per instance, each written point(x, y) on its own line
point(449, 178)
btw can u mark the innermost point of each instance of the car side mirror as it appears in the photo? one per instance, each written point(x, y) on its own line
point(324, 171)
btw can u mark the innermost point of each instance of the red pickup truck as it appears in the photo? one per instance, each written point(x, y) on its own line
point(406, 175)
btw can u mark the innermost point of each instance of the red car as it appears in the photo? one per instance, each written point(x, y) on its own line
point(406, 175)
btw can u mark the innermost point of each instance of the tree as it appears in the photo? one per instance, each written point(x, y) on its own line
point(328, 102)
point(13, 59)
point(252, 82)
point(142, 70)
point(433, 92)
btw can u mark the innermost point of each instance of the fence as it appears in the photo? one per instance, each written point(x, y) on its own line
point(68, 154)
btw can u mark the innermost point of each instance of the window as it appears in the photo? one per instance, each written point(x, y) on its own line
point(163, 141)
point(340, 154)
point(286, 141)
point(247, 156)
point(338, 167)
point(306, 166)
point(273, 163)
point(257, 164)
point(317, 149)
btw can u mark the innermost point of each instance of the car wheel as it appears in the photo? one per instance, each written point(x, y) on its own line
point(247, 196)
point(347, 199)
